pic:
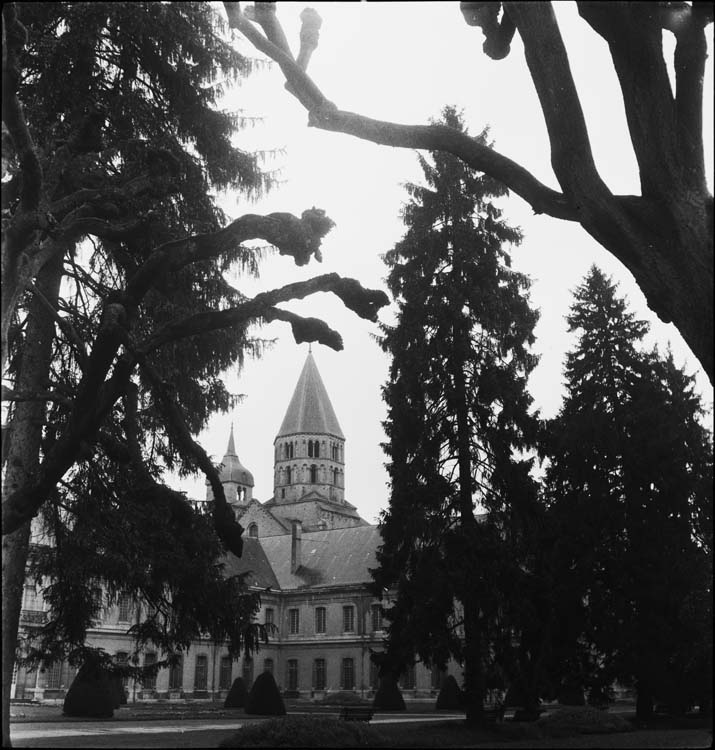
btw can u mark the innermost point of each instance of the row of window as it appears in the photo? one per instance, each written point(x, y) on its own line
point(319, 615)
point(311, 474)
point(201, 672)
point(289, 449)
point(33, 600)
point(347, 676)
point(319, 674)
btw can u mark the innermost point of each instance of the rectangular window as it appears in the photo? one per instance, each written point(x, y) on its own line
point(320, 619)
point(374, 675)
point(201, 673)
point(54, 675)
point(122, 658)
point(149, 683)
point(348, 674)
point(349, 619)
point(376, 616)
point(268, 666)
point(176, 675)
point(248, 671)
point(98, 601)
point(269, 616)
point(319, 674)
point(224, 675)
point(125, 608)
point(407, 681)
point(438, 676)
point(293, 621)
point(292, 680)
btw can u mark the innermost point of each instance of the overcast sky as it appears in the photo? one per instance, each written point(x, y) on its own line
point(404, 62)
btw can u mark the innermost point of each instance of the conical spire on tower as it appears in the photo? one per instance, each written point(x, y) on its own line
point(310, 410)
point(309, 447)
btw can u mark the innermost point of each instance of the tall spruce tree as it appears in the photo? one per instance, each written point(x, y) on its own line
point(461, 500)
point(117, 321)
point(629, 485)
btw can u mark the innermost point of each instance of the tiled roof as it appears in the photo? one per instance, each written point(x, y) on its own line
point(329, 558)
point(253, 559)
point(310, 410)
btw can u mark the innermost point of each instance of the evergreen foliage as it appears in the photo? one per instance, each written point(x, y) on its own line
point(630, 492)
point(237, 695)
point(264, 698)
point(92, 693)
point(388, 696)
point(118, 322)
point(457, 426)
point(450, 696)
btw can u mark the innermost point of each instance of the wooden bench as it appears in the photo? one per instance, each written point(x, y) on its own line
point(356, 713)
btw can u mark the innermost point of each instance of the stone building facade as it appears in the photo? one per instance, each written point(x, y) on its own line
point(308, 546)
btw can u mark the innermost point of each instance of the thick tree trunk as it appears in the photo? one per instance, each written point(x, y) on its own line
point(474, 680)
point(23, 459)
point(14, 557)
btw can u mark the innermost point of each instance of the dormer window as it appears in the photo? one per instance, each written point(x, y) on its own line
point(253, 531)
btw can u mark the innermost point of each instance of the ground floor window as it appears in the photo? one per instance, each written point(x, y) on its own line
point(374, 675)
point(224, 675)
point(407, 681)
point(149, 683)
point(248, 671)
point(319, 674)
point(268, 665)
point(438, 677)
point(348, 674)
point(176, 674)
point(201, 673)
point(122, 659)
point(292, 676)
point(54, 675)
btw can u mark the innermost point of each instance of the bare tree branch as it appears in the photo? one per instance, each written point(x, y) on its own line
point(664, 237)
point(364, 302)
point(299, 238)
point(326, 116)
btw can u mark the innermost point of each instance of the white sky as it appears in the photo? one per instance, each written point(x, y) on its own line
point(404, 62)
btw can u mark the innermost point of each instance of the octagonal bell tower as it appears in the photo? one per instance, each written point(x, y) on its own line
point(310, 446)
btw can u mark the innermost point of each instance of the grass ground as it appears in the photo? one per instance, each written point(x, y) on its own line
point(662, 732)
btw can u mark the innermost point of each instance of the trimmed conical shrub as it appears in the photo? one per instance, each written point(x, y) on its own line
point(388, 696)
point(450, 696)
point(237, 695)
point(264, 698)
point(91, 694)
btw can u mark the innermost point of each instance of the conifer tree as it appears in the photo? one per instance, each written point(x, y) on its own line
point(117, 321)
point(457, 417)
point(628, 483)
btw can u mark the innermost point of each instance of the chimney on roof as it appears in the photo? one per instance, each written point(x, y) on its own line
point(295, 545)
